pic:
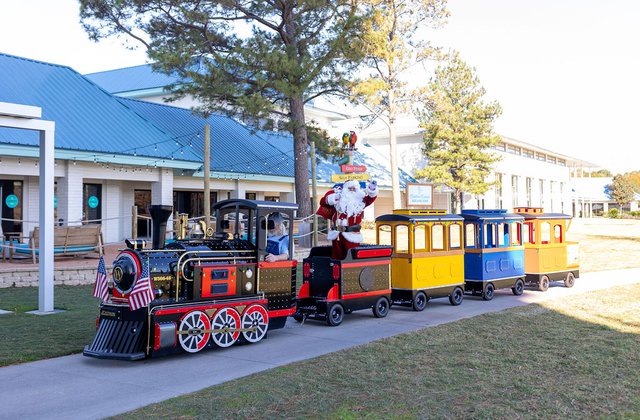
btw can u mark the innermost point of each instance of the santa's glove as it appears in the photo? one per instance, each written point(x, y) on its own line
point(332, 235)
point(372, 189)
point(332, 199)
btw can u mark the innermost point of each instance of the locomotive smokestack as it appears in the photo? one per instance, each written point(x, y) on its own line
point(159, 216)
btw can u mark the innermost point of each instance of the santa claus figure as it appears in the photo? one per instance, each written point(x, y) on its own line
point(344, 208)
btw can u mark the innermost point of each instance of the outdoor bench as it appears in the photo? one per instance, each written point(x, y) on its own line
point(68, 240)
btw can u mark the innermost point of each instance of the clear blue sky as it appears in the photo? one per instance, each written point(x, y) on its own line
point(565, 71)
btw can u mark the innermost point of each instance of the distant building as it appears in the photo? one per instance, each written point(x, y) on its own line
point(526, 175)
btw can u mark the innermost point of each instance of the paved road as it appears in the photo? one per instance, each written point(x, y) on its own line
point(77, 387)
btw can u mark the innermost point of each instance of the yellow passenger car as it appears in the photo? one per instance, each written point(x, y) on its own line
point(548, 256)
point(428, 256)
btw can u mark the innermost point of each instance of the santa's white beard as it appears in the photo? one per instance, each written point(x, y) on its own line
point(351, 202)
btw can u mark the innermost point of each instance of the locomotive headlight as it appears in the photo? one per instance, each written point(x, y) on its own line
point(248, 273)
point(248, 286)
point(125, 272)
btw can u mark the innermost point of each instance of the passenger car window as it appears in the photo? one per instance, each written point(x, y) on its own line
point(437, 237)
point(420, 238)
point(454, 236)
point(384, 235)
point(470, 235)
point(402, 238)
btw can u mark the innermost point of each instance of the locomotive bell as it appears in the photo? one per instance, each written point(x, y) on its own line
point(196, 232)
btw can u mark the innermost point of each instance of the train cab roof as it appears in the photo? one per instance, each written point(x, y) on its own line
point(413, 216)
point(538, 213)
point(269, 206)
point(493, 215)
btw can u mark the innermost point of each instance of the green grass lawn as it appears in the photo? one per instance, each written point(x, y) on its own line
point(27, 337)
point(576, 357)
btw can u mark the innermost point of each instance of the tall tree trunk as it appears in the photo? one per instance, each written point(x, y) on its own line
point(300, 156)
point(393, 155)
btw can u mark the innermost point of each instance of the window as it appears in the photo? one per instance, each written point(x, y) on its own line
point(470, 235)
point(384, 235)
point(142, 200)
point(551, 195)
point(529, 183)
point(437, 237)
point(527, 153)
point(454, 236)
point(489, 235)
point(545, 232)
point(515, 232)
point(514, 190)
point(402, 238)
point(503, 234)
point(528, 233)
point(542, 193)
point(420, 238)
point(250, 196)
point(557, 233)
point(541, 156)
point(275, 198)
point(551, 159)
point(513, 149)
point(498, 191)
point(192, 202)
point(562, 162)
point(501, 146)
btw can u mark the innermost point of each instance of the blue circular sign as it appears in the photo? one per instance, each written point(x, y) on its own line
point(93, 201)
point(55, 202)
point(12, 201)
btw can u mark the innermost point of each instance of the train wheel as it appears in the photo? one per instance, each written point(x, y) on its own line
point(570, 280)
point(419, 302)
point(381, 308)
point(256, 317)
point(518, 288)
point(225, 324)
point(488, 292)
point(298, 316)
point(543, 285)
point(335, 315)
point(192, 335)
point(455, 298)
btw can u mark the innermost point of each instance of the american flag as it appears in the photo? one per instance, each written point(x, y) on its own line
point(142, 292)
point(101, 289)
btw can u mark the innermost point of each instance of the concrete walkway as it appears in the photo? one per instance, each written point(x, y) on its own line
point(77, 387)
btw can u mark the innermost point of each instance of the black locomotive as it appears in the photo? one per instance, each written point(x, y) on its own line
point(212, 288)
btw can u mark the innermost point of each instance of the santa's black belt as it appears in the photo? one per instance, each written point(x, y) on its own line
point(354, 228)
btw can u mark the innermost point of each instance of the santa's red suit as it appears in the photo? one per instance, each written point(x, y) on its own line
point(344, 208)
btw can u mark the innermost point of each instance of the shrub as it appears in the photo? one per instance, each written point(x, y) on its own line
point(613, 213)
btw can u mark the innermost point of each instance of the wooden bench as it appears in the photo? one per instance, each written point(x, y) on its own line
point(68, 240)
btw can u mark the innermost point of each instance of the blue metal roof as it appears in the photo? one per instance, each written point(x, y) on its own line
point(131, 79)
point(234, 147)
point(87, 118)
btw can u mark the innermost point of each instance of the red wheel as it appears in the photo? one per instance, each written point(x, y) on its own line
point(225, 325)
point(255, 317)
point(194, 334)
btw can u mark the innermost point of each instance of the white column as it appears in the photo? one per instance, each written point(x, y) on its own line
point(70, 195)
point(162, 190)
point(239, 191)
point(111, 205)
point(45, 293)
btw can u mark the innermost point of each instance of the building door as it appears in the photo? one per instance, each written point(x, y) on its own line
point(192, 202)
point(143, 201)
point(92, 203)
point(11, 193)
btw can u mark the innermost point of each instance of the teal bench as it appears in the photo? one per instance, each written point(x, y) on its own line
point(68, 240)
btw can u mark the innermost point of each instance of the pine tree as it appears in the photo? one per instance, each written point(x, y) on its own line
point(393, 45)
point(249, 59)
point(458, 131)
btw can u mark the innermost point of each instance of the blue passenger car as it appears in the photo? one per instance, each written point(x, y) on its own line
point(494, 254)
